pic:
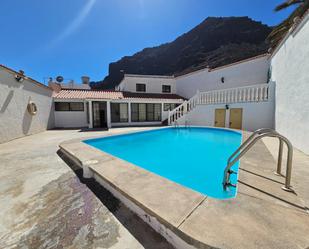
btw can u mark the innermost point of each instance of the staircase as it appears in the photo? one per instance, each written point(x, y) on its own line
point(253, 93)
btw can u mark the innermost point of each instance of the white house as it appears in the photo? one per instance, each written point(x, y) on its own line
point(151, 99)
point(147, 84)
point(269, 90)
point(98, 108)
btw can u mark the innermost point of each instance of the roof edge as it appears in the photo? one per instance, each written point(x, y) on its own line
point(295, 28)
point(150, 76)
point(25, 77)
point(224, 66)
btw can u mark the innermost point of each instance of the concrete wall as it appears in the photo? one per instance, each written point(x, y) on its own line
point(290, 71)
point(71, 119)
point(153, 83)
point(15, 121)
point(255, 115)
point(248, 72)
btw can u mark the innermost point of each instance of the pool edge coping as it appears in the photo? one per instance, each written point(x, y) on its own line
point(88, 165)
point(179, 236)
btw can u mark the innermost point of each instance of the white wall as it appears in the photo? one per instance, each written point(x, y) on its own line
point(153, 83)
point(290, 71)
point(164, 114)
point(15, 121)
point(255, 115)
point(71, 119)
point(75, 119)
point(248, 72)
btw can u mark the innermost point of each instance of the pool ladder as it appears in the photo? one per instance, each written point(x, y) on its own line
point(256, 136)
point(176, 125)
point(187, 124)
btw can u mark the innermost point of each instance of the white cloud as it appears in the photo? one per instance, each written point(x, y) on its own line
point(74, 25)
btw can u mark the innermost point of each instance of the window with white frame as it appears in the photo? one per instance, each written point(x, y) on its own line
point(166, 88)
point(169, 106)
point(119, 112)
point(140, 87)
point(142, 112)
point(69, 106)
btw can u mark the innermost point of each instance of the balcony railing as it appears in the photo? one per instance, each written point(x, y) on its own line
point(254, 93)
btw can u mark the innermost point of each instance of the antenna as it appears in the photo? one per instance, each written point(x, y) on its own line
point(59, 79)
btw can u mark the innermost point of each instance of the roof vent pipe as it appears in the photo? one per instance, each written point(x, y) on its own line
point(85, 80)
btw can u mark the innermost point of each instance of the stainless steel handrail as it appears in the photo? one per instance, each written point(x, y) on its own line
point(257, 135)
point(257, 132)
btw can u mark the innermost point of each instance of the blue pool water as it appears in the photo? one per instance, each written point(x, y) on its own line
point(192, 157)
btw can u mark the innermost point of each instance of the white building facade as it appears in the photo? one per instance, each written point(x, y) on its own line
point(26, 106)
point(290, 72)
point(106, 109)
point(148, 84)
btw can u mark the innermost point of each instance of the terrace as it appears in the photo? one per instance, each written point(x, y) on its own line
point(158, 161)
point(45, 193)
point(188, 218)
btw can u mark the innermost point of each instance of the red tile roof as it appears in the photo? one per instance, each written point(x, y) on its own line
point(100, 94)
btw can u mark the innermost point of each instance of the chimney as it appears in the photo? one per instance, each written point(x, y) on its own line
point(85, 80)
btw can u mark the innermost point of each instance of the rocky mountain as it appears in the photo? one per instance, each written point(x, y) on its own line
point(215, 42)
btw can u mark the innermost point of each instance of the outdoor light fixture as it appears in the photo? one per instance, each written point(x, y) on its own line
point(20, 76)
point(222, 79)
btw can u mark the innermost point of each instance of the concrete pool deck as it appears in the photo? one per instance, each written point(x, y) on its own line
point(43, 204)
point(261, 216)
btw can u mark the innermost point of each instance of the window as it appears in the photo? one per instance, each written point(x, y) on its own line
point(145, 112)
point(77, 106)
point(166, 88)
point(119, 112)
point(69, 106)
point(141, 87)
point(169, 107)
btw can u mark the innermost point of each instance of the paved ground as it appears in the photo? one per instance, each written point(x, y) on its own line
point(45, 205)
point(261, 216)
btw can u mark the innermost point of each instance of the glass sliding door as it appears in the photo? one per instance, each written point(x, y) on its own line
point(99, 114)
point(124, 116)
point(149, 112)
point(119, 112)
point(142, 112)
point(134, 112)
point(157, 112)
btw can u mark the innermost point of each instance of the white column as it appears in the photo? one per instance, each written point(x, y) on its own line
point(108, 114)
point(162, 110)
point(129, 113)
point(90, 114)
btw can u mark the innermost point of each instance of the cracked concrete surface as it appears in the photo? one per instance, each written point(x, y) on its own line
point(45, 205)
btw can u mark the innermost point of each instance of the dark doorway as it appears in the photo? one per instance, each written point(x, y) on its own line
point(99, 114)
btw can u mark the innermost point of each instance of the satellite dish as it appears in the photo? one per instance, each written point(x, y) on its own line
point(59, 79)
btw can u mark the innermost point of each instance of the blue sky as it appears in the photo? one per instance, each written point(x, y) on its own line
point(81, 37)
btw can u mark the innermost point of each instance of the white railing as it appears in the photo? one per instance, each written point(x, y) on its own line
point(254, 93)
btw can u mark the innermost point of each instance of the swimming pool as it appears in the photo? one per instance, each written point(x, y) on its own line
point(193, 157)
